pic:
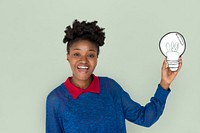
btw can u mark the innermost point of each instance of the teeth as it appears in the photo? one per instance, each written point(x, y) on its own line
point(82, 67)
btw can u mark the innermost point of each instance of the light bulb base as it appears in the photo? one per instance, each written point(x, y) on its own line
point(173, 69)
point(173, 64)
point(173, 60)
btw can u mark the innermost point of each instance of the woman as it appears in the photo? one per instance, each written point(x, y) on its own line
point(87, 103)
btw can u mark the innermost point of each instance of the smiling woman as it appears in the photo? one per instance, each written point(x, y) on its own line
point(82, 57)
point(88, 103)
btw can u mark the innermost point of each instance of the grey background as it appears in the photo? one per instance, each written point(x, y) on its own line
point(33, 58)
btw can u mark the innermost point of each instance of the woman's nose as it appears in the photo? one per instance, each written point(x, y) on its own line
point(84, 59)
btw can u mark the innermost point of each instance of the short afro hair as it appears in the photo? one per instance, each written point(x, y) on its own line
point(84, 31)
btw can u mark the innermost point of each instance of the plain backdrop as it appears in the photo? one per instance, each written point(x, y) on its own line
point(33, 57)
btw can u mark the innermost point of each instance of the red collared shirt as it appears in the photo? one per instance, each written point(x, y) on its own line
point(75, 92)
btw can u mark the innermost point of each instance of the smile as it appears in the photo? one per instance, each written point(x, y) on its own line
point(82, 67)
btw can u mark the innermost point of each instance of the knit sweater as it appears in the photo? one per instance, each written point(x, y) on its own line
point(100, 113)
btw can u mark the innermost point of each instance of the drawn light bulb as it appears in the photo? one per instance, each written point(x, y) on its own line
point(172, 45)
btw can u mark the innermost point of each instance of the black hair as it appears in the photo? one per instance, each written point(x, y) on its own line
point(84, 31)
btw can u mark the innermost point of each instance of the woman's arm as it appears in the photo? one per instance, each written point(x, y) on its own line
point(150, 113)
point(52, 121)
point(145, 115)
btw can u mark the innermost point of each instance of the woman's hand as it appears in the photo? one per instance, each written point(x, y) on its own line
point(168, 76)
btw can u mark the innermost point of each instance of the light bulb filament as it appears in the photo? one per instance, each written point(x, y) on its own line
point(173, 47)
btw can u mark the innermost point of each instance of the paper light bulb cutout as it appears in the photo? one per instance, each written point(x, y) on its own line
point(172, 45)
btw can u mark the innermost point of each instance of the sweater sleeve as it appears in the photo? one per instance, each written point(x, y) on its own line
point(52, 123)
point(145, 115)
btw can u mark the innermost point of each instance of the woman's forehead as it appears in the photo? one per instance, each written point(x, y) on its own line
point(83, 45)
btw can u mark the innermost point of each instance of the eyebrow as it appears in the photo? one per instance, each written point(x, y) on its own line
point(92, 50)
point(80, 49)
point(76, 49)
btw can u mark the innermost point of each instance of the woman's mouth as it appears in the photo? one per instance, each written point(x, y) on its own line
point(83, 69)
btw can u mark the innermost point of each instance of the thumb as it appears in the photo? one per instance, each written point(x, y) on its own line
point(164, 66)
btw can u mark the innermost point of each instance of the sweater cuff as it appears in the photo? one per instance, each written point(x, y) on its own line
point(161, 93)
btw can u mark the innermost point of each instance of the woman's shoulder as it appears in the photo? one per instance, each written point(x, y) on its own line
point(56, 93)
point(106, 79)
point(110, 84)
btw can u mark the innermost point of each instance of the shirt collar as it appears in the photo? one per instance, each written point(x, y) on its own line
point(75, 92)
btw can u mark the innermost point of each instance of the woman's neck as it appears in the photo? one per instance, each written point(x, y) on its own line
point(83, 84)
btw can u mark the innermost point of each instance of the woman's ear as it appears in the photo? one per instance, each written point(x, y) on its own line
point(67, 56)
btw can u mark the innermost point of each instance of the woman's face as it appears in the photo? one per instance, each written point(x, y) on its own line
point(82, 57)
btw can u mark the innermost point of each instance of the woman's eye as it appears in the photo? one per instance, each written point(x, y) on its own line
point(76, 54)
point(91, 55)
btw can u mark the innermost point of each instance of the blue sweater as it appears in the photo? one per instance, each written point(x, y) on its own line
point(100, 113)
